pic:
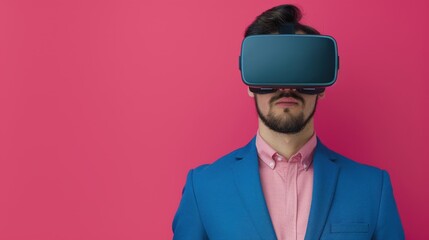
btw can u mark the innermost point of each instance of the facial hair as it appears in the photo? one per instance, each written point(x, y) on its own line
point(290, 124)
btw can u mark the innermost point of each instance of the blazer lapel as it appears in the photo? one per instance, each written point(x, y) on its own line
point(247, 181)
point(324, 183)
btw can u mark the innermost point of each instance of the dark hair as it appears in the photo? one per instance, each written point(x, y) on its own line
point(270, 21)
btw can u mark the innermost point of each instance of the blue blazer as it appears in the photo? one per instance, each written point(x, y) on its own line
point(224, 200)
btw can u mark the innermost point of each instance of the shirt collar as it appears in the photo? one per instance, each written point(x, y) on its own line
point(270, 157)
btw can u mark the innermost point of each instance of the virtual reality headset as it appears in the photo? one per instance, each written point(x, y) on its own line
point(307, 63)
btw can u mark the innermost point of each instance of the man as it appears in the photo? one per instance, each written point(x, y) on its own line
point(285, 184)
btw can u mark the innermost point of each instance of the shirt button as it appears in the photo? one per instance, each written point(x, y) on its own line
point(278, 157)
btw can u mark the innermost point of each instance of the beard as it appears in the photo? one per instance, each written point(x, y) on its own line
point(285, 124)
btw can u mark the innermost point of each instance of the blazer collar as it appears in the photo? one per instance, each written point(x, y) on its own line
point(325, 179)
point(247, 181)
point(248, 184)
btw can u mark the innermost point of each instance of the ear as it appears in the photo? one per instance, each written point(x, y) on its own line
point(250, 93)
point(321, 95)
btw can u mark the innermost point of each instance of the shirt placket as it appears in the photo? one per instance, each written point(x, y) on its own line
point(292, 198)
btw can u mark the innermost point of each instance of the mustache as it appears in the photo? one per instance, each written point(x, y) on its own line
point(289, 94)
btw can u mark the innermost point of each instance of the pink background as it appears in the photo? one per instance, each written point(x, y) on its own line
point(106, 105)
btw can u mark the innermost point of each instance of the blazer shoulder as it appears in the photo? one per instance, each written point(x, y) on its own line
point(224, 162)
point(354, 168)
point(221, 163)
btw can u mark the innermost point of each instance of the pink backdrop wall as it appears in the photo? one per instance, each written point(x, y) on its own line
point(105, 106)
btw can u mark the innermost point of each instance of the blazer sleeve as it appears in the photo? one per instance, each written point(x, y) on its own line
point(187, 221)
point(389, 223)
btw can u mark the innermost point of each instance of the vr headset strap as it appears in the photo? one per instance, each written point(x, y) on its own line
point(287, 28)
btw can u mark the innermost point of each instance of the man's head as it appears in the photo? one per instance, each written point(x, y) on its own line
point(286, 110)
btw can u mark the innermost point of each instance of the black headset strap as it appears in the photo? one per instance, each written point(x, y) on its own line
point(287, 28)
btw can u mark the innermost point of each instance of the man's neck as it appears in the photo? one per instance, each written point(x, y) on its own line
point(286, 144)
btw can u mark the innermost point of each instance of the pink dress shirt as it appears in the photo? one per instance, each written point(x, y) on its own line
point(287, 185)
